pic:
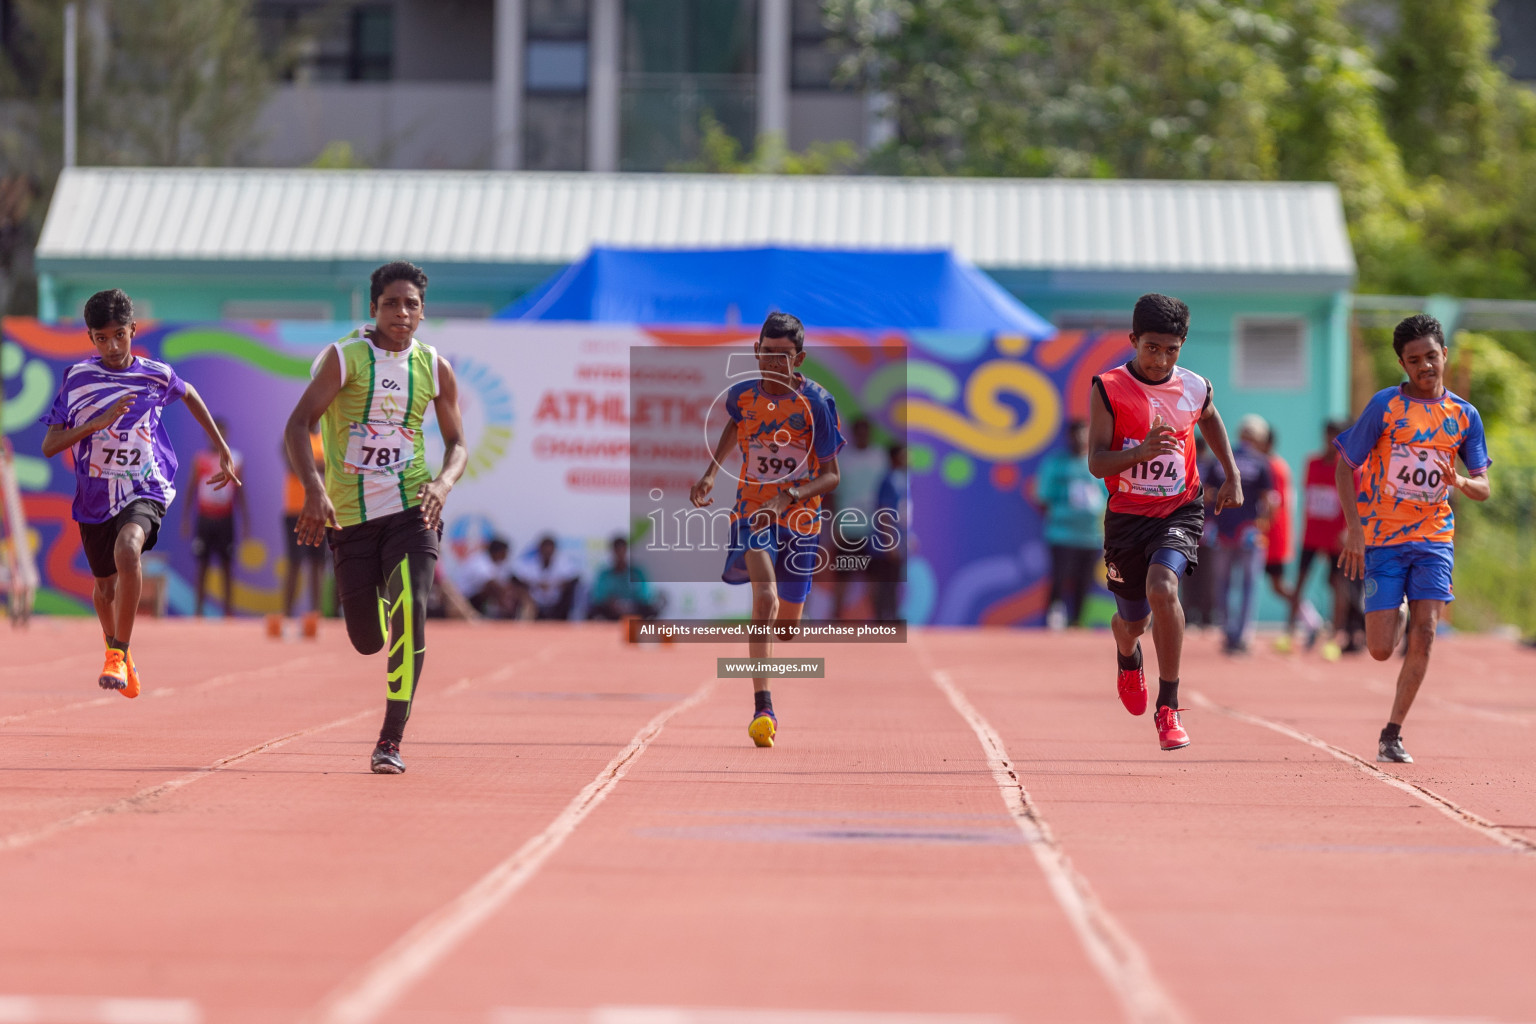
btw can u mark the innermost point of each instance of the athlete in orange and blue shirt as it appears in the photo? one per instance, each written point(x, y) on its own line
point(786, 431)
point(1405, 445)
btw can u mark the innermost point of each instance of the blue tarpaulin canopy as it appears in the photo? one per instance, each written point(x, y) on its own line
point(824, 288)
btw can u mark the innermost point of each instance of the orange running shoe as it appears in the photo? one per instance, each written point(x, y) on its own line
point(132, 689)
point(114, 674)
point(1170, 734)
point(311, 626)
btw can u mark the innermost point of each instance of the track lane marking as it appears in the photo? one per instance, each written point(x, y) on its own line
point(134, 801)
point(372, 991)
point(726, 1015)
point(213, 683)
point(1111, 950)
point(1457, 813)
point(105, 1010)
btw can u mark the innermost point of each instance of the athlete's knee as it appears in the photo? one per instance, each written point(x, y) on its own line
point(1381, 650)
point(1421, 633)
point(106, 587)
point(1162, 591)
point(126, 552)
point(365, 640)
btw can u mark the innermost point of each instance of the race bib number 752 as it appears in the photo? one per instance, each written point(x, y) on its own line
point(122, 454)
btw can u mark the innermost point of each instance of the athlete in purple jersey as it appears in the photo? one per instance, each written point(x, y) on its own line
point(108, 411)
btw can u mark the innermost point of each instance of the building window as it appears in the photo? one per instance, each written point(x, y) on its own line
point(1270, 354)
point(814, 54)
point(557, 66)
point(685, 62)
point(316, 41)
point(554, 132)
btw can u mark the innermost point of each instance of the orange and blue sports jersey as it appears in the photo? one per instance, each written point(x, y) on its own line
point(1397, 444)
point(785, 439)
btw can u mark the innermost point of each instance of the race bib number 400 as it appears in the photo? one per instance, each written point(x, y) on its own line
point(771, 463)
point(121, 454)
point(1414, 474)
point(378, 448)
point(1161, 477)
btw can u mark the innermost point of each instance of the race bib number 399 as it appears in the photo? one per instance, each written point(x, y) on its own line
point(121, 454)
point(1414, 475)
point(771, 463)
point(1161, 477)
point(378, 448)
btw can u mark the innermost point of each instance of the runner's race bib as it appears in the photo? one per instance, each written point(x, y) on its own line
point(1414, 474)
point(1322, 502)
point(1161, 477)
point(121, 454)
point(378, 448)
point(770, 463)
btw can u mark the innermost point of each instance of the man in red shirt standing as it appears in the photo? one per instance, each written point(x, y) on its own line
point(213, 536)
point(1323, 537)
point(1141, 442)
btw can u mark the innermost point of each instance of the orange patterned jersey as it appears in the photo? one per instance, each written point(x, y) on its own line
point(1397, 444)
point(785, 440)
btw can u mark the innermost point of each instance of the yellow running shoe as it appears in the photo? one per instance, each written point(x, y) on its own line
point(114, 674)
point(1331, 651)
point(1284, 644)
point(763, 728)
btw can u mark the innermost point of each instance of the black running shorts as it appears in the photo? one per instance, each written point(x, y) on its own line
point(214, 537)
point(100, 539)
point(1130, 541)
point(367, 553)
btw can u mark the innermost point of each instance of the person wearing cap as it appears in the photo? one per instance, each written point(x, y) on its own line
point(1241, 532)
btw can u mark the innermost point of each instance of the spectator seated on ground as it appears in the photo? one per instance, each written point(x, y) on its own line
point(486, 581)
point(548, 580)
point(621, 589)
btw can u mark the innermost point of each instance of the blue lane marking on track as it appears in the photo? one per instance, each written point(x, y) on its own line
point(833, 834)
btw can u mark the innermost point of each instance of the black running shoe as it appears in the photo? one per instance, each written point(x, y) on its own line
point(386, 758)
point(1392, 750)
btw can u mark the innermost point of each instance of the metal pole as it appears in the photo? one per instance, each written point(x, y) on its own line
point(71, 87)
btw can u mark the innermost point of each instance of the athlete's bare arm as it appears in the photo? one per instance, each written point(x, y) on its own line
point(1230, 494)
point(60, 437)
point(450, 422)
point(1352, 555)
point(699, 495)
point(199, 409)
point(318, 512)
point(1105, 460)
point(826, 481)
point(1475, 487)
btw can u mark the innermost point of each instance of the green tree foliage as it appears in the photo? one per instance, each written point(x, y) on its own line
point(1400, 102)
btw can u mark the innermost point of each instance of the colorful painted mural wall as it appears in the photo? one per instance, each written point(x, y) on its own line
point(546, 417)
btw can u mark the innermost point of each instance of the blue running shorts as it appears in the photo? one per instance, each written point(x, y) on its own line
point(1419, 570)
point(796, 557)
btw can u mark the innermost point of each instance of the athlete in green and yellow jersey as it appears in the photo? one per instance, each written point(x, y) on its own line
point(381, 503)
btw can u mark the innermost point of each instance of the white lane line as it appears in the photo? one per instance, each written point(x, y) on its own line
point(418, 951)
point(1449, 808)
point(81, 1010)
point(151, 691)
point(716, 1015)
point(133, 802)
point(1119, 960)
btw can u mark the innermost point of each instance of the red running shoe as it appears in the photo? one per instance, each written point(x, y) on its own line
point(1170, 734)
point(1132, 684)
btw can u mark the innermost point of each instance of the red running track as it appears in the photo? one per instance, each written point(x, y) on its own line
point(967, 827)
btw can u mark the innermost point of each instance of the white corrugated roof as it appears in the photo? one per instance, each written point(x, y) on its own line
point(525, 217)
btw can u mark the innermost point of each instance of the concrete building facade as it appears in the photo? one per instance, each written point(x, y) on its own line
point(555, 85)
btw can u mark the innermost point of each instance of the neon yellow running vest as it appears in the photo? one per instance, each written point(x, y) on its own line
point(375, 449)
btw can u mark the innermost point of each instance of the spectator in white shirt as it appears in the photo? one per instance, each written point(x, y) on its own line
point(549, 580)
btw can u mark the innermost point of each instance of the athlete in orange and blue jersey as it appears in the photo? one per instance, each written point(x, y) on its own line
point(785, 430)
point(1405, 446)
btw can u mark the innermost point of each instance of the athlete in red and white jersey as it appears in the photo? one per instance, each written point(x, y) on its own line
point(1161, 485)
point(1141, 441)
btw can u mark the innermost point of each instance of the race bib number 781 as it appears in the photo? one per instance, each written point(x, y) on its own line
point(378, 448)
